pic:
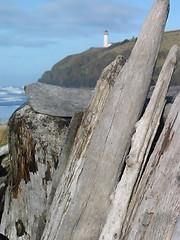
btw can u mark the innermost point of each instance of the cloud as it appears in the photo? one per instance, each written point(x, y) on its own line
point(27, 25)
point(6, 41)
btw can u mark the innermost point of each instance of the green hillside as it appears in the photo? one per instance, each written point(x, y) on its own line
point(84, 69)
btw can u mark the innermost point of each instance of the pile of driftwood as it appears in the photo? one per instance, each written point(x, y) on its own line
point(120, 176)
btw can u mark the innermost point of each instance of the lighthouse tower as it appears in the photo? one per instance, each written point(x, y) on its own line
point(106, 40)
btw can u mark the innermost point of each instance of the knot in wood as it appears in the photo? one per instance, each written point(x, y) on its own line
point(20, 228)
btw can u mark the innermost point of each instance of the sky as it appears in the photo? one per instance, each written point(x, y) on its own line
point(36, 34)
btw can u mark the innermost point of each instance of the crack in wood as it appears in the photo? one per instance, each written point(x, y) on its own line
point(169, 135)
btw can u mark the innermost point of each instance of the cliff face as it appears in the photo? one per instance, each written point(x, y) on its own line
point(84, 69)
point(110, 172)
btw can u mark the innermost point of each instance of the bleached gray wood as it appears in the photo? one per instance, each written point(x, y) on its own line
point(82, 199)
point(176, 232)
point(141, 143)
point(88, 125)
point(155, 209)
point(90, 119)
point(55, 100)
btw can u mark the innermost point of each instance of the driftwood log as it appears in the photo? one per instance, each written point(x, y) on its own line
point(35, 143)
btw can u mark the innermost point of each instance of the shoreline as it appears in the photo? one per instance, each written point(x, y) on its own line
point(4, 122)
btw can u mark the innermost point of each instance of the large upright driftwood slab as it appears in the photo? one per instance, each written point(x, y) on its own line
point(82, 199)
point(155, 209)
point(90, 119)
point(84, 135)
point(142, 139)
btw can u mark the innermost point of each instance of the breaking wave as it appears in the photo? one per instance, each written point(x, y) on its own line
point(10, 99)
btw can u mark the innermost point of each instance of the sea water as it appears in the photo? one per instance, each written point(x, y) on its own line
point(10, 99)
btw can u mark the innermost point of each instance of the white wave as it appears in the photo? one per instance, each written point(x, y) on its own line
point(11, 99)
point(3, 93)
point(12, 106)
point(15, 90)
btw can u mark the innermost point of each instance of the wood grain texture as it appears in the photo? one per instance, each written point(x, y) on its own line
point(35, 143)
point(155, 209)
point(80, 212)
point(141, 143)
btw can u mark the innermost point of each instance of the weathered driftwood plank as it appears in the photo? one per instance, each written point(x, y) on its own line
point(141, 143)
point(84, 135)
point(90, 119)
point(55, 100)
point(82, 199)
point(155, 209)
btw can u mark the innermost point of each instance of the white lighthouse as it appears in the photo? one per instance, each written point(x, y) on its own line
point(106, 39)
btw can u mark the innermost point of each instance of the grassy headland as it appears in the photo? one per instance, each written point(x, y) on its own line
point(84, 69)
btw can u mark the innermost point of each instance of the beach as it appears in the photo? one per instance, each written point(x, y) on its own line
point(3, 133)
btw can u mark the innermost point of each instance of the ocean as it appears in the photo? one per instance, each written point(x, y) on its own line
point(10, 99)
